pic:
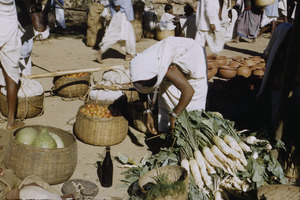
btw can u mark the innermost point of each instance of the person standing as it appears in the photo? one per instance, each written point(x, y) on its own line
point(119, 30)
point(178, 67)
point(249, 20)
point(59, 14)
point(208, 25)
point(10, 51)
point(189, 25)
point(23, 12)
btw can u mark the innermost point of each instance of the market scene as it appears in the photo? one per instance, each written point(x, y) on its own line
point(149, 99)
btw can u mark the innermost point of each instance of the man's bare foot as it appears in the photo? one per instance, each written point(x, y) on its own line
point(15, 125)
point(128, 57)
point(253, 41)
point(98, 55)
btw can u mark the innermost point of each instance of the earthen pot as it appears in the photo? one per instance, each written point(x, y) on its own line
point(248, 63)
point(259, 67)
point(227, 72)
point(255, 58)
point(244, 71)
point(237, 58)
point(221, 62)
point(234, 64)
point(221, 57)
point(259, 73)
point(211, 65)
point(228, 61)
point(262, 65)
point(211, 57)
point(212, 72)
point(253, 68)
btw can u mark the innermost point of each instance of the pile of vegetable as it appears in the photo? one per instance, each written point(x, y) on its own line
point(76, 75)
point(44, 139)
point(96, 111)
point(219, 159)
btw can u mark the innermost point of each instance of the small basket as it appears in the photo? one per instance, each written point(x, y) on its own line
point(28, 107)
point(174, 173)
point(52, 165)
point(100, 131)
point(263, 3)
point(71, 87)
point(160, 35)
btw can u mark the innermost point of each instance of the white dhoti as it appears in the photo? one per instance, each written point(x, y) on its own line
point(119, 30)
point(10, 41)
point(41, 35)
point(25, 59)
point(215, 40)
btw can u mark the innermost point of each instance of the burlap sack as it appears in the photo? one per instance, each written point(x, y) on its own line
point(94, 25)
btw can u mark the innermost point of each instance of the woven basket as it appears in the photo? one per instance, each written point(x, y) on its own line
point(52, 165)
point(100, 131)
point(174, 172)
point(263, 3)
point(160, 35)
point(28, 107)
point(138, 30)
point(71, 87)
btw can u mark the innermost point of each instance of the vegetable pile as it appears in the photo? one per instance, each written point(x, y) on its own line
point(44, 139)
point(218, 158)
point(76, 75)
point(96, 111)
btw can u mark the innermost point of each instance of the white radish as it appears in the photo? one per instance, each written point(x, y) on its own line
point(250, 139)
point(210, 168)
point(217, 195)
point(185, 164)
point(238, 165)
point(232, 143)
point(225, 148)
point(234, 184)
point(219, 155)
point(196, 173)
point(201, 163)
point(211, 159)
point(244, 147)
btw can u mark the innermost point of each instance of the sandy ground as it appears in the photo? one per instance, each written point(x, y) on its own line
point(64, 52)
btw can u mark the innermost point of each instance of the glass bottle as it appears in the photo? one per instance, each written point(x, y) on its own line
point(107, 170)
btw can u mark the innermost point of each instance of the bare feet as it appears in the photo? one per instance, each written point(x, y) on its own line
point(15, 125)
point(253, 40)
point(98, 55)
point(128, 57)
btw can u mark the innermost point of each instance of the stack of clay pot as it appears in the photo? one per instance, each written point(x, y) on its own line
point(228, 68)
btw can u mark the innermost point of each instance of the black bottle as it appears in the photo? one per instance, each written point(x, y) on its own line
point(107, 170)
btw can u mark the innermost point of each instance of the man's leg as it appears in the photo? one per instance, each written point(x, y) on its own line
point(12, 98)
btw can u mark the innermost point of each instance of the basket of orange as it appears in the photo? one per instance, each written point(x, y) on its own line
point(96, 125)
point(72, 85)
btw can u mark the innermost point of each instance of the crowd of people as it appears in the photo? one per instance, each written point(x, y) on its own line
point(175, 66)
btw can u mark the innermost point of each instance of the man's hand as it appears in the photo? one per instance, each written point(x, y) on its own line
point(150, 124)
point(172, 123)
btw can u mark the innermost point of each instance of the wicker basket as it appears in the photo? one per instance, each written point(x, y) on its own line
point(263, 3)
point(138, 30)
point(174, 173)
point(160, 35)
point(28, 107)
point(52, 165)
point(71, 87)
point(100, 131)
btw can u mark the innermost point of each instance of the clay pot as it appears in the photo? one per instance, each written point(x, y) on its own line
point(252, 68)
point(211, 57)
point(234, 64)
point(248, 63)
point(227, 72)
point(211, 65)
point(228, 61)
point(221, 62)
point(212, 72)
point(259, 73)
point(237, 58)
point(244, 71)
point(221, 57)
point(262, 65)
point(256, 59)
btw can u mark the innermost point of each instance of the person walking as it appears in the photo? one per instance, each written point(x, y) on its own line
point(119, 30)
point(10, 51)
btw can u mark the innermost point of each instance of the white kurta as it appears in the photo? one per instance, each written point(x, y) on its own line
point(10, 41)
point(119, 30)
point(207, 14)
point(155, 61)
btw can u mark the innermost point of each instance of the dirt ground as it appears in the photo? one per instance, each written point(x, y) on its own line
point(68, 51)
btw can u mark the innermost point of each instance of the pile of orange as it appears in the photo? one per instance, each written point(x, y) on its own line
point(77, 75)
point(96, 111)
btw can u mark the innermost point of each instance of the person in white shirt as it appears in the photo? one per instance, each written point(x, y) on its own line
point(10, 52)
point(208, 25)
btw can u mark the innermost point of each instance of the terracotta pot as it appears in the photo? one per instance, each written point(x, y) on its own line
point(244, 71)
point(228, 61)
point(237, 58)
point(221, 57)
point(211, 65)
point(258, 67)
point(221, 62)
point(234, 64)
point(212, 72)
point(262, 60)
point(253, 68)
point(211, 57)
point(262, 65)
point(248, 63)
point(227, 72)
point(260, 73)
